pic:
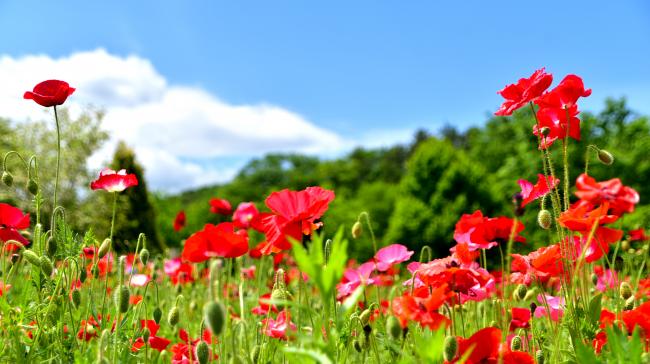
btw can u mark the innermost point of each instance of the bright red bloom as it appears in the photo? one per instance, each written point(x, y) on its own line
point(179, 221)
point(530, 192)
point(583, 217)
point(12, 219)
point(524, 91)
point(89, 328)
point(541, 264)
point(462, 254)
point(216, 241)
point(294, 214)
point(4, 288)
point(220, 206)
point(277, 328)
point(178, 271)
point(483, 346)
point(565, 94)
point(244, 215)
point(481, 232)
point(638, 235)
point(640, 317)
point(621, 198)
point(50, 93)
point(520, 318)
point(156, 342)
point(112, 181)
point(562, 123)
point(422, 307)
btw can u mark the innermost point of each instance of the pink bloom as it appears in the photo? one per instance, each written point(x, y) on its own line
point(555, 305)
point(353, 278)
point(248, 273)
point(607, 279)
point(530, 192)
point(139, 280)
point(178, 271)
point(244, 214)
point(112, 181)
point(278, 328)
point(393, 254)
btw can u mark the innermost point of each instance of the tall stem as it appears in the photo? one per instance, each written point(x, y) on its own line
point(113, 218)
point(58, 155)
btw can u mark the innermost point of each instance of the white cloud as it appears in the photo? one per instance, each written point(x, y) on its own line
point(166, 124)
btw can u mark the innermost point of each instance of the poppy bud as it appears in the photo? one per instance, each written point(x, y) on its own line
point(146, 334)
point(544, 219)
point(515, 344)
point(365, 317)
point(629, 304)
point(645, 358)
point(46, 265)
point(594, 278)
point(279, 295)
point(193, 305)
point(51, 246)
point(157, 315)
point(625, 290)
point(450, 348)
point(255, 353)
point(173, 316)
point(122, 296)
point(545, 131)
point(14, 258)
point(631, 251)
point(202, 352)
point(279, 279)
point(493, 323)
point(7, 178)
point(357, 230)
point(76, 297)
point(625, 245)
point(520, 292)
point(121, 267)
point(327, 250)
point(103, 249)
point(83, 275)
point(214, 314)
point(539, 356)
point(605, 157)
point(32, 257)
point(393, 327)
point(144, 256)
point(32, 186)
point(357, 345)
point(163, 357)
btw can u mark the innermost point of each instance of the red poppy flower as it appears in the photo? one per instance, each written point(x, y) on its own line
point(483, 346)
point(560, 122)
point(524, 91)
point(462, 253)
point(565, 94)
point(112, 181)
point(12, 219)
point(50, 93)
point(541, 264)
point(582, 216)
point(156, 342)
point(481, 232)
point(640, 317)
point(216, 241)
point(4, 288)
point(179, 221)
point(220, 206)
point(638, 235)
point(294, 214)
point(244, 215)
point(520, 318)
point(178, 271)
point(422, 307)
point(621, 198)
point(530, 192)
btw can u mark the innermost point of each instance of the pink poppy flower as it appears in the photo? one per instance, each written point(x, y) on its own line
point(555, 305)
point(393, 254)
point(278, 328)
point(244, 214)
point(112, 181)
point(139, 280)
point(353, 278)
point(530, 192)
point(607, 279)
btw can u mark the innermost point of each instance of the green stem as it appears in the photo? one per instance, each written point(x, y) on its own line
point(58, 155)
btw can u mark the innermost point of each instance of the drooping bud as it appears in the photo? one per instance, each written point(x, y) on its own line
point(520, 292)
point(393, 327)
point(144, 256)
point(46, 265)
point(51, 246)
point(515, 344)
point(539, 356)
point(32, 257)
point(103, 248)
point(214, 314)
point(32, 186)
point(365, 317)
point(545, 131)
point(157, 315)
point(83, 275)
point(450, 348)
point(594, 278)
point(7, 178)
point(76, 297)
point(605, 157)
point(544, 219)
point(173, 316)
point(629, 304)
point(202, 352)
point(357, 230)
point(625, 290)
point(122, 296)
point(357, 345)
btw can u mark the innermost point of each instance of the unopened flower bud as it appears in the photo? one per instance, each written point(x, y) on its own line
point(214, 314)
point(279, 297)
point(103, 248)
point(32, 257)
point(629, 304)
point(625, 290)
point(7, 178)
point(365, 317)
point(46, 265)
point(357, 345)
point(202, 352)
point(83, 275)
point(515, 344)
point(544, 219)
point(594, 278)
point(122, 296)
point(539, 356)
point(32, 186)
point(450, 348)
point(51, 246)
point(144, 256)
point(157, 315)
point(255, 353)
point(605, 157)
point(625, 245)
point(76, 297)
point(520, 292)
point(393, 327)
point(327, 250)
point(146, 334)
point(545, 131)
point(357, 230)
point(173, 316)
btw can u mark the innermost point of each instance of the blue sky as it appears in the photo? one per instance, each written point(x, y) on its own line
point(358, 69)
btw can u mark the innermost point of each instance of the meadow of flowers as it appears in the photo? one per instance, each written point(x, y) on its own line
point(267, 286)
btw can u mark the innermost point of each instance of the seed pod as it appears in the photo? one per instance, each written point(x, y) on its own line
point(122, 296)
point(32, 257)
point(32, 186)
point(202, 352)
point(7, 178)
point(450, 348)
point(157, 315)
point(539, 356)
point(544, 219)
point(46, 265)
point(605, 157)
point(76, 297)
point(357, 229)
point(173, 316)
point(144, 256)
point(393, 327)
point(629, 304)
point(625, 290)
point(103, 248)
point(520, 292)
point(515, 344)
point(214, 314)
